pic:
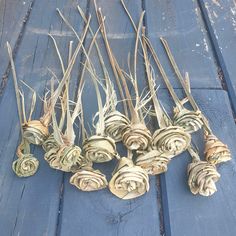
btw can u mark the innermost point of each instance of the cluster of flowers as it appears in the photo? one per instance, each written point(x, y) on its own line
point(147, 153)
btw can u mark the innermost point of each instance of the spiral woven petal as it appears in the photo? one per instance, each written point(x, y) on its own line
point(129, 181)
point(215, 151)
point(115, 123)
point(190, 121)
point(136, 137)
point(50, 143)
point(202, 178)
point(25, 166)
point(99, 148)
point(35, 132)
point(88, 179)
point(52, 157)
point(171, 140)
point(153, 162)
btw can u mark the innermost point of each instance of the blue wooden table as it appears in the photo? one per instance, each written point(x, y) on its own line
point(203, 38)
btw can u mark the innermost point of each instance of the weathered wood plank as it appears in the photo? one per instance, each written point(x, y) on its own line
point(196, 215)
point(101, 213)
point(220, 18)
point(31, 205)
point(13, 16)
point(181, 23)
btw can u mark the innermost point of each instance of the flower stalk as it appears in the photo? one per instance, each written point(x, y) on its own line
point(26, 165)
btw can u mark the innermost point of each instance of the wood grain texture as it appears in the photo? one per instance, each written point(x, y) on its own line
point(196, 215)
point(180, 22)
point(30, 205)
point(101, 213)
point(220, 18)
point(13, 16)
point(46, 204)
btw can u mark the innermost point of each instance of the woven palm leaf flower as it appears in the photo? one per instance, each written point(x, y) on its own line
point(215, 151)
point(115, 121)
point(168, 141)
point(202, 176)
point(88, 179)
point(190, 121)
point(135, 136)
point(65, 154)
point(98, 147)
point(34, 131)
point(128, 180)
point(26, 165)
point(152, 161)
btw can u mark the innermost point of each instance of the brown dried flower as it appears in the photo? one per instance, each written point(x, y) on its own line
point(215, 151)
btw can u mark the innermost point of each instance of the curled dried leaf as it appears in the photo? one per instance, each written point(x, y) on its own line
point(129, 181)
point(115, 122)
point(35, 132)
point(25, 166)
point(153, 162)
point(99, 148)
point(215, 151)
point(202, 178)
point(171, 140)
point(190, 121)
point(88, 179)
point(136, 137)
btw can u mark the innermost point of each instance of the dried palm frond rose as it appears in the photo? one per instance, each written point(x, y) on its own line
point(190, 121)
point(136, 137)
point(89, 179)
point(135, 134)
point(153, 161)
point(215, 151)
point(64, 154)
point(99, 148)
point(66, 157)
point(202, 178)
point(129, 181)
point(171, 140)
point(115, 123)
point(50, 143)
point(26, 165)
point(35, 132)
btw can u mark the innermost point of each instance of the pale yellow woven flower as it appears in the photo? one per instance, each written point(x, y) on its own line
point(153, 161)
point(202, 178)
point(128, 181)
point(87, 179)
